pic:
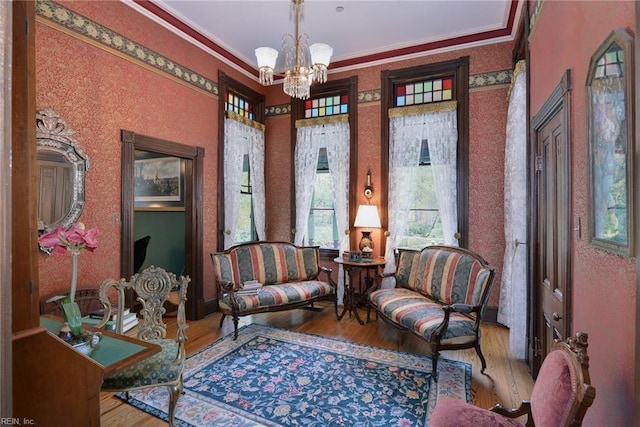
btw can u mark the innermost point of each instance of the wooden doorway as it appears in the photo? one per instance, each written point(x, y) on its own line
point(551, 293)
point(193, 157)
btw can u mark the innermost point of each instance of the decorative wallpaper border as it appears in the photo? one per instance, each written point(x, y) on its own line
point(80, 24)
point(75, 22)
point(490, 79)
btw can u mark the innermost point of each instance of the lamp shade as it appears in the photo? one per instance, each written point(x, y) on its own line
point(367, 217)
point(266, 57)
point(321, 53)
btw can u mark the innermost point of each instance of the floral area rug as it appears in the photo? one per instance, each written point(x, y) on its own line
point(275, 377)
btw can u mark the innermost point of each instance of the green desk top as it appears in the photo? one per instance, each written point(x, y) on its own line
point(108, 351)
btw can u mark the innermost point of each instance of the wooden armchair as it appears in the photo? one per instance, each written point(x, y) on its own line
point(560, 398)
point(153, 287)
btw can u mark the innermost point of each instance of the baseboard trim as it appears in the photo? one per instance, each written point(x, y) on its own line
point(491, 315)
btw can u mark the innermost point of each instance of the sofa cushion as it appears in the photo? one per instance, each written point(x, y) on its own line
point(443, 275)
point(268, 263)
point(278, 295)
point(422, 315)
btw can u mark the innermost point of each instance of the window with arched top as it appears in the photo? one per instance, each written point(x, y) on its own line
point(609, 107)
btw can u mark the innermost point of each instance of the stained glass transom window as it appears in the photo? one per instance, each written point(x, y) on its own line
point(424, 91)
point(239, 105)
point(326, 106)
point(611, 63)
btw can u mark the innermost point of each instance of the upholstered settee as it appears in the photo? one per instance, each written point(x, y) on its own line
point(440, 296)
point(289, 275)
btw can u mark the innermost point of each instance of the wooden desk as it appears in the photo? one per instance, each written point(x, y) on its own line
point(114, 352)
point(53, 384)
point(350, 269)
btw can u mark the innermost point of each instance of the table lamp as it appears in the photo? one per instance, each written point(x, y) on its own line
point(367, 217)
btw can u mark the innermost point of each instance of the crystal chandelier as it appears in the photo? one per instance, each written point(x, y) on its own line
point(300, 72)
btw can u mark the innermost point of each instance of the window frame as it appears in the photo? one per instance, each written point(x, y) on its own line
point(333, 87)
point(226, 83)
point(459, 69)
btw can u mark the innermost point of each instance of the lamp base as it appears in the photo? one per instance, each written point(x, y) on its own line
point(366, 241)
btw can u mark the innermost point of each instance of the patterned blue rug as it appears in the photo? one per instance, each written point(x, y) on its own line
point(275, 377)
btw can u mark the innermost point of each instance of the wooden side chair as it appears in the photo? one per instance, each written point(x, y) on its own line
point(153, 287)
point(561, 395)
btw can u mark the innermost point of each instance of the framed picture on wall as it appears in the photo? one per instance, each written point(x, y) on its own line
point(610, 91)
point(158, 182)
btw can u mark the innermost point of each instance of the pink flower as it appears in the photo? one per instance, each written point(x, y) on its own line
point(74, 239)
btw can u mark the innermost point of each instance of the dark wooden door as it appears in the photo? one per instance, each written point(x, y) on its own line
point(552, 256)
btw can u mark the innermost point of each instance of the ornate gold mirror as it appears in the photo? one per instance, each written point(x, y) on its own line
point(61, 172)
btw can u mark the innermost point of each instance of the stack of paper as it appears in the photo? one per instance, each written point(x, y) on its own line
point(250, 287)
point(128, 321)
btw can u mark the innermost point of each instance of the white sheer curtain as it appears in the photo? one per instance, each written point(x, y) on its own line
point(338, 155)
point(439, 128)
point(405, 139)
point(334, 136)
point(241, 139)
point(442, 136)
point(512, 311)
point(256, 165)
point(306, 164)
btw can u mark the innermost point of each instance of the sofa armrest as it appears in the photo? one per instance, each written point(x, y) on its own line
point(463, 308)
point(523, 409)
point(328, 271)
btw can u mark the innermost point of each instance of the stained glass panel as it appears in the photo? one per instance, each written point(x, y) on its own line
point(240, 106)
point(424, 92)
point(326, 106)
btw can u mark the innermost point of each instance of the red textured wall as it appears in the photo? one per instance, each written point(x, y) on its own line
point(604, 285)
point(99, 92)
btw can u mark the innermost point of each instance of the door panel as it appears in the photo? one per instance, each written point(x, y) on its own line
point(552, 204)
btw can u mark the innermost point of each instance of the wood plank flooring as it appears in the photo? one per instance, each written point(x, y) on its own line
point(505, 380)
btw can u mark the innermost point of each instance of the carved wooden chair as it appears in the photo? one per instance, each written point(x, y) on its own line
point(153, 288)
point(561, 395)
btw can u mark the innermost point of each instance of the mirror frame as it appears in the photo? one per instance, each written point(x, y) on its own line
point(54, 134)
point(624, 244)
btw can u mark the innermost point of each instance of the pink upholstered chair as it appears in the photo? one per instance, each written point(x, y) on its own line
point(560, 398)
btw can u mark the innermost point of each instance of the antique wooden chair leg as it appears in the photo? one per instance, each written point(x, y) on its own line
point(222, 319)
point(235, 327)
point(175, 391)
point(481, 356)
point(435, 354)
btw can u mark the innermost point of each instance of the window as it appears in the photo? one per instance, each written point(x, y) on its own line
point(611, 144)
point(426, 108)
point(326, 106)
point(323, 229)
point(424, 91)
point(241, 201)
point(245, 228)
point(239, 105)
point(321, 148)
point(424, 225)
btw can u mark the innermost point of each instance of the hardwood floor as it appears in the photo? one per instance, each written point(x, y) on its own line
point(505, 380)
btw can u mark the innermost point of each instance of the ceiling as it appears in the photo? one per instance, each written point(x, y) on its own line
point(364, 32)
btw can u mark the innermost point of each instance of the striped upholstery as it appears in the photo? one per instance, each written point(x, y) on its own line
point(290, 276)
point(421, 315)
point(268, 263)
point(426, 282)
point(443, 275)
point(282, 294)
